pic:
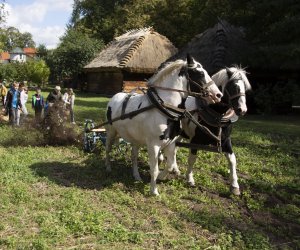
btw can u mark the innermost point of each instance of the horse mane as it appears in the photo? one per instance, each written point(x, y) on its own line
point(221, 77)
point(165, 71)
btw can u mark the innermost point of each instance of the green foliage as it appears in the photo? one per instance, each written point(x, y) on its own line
point(278, 98)
point(73, 53)
point(59, 197)
point(11, 38)
point(38, 71)
point(32, 71)
point(269, 26)
point(42, 51)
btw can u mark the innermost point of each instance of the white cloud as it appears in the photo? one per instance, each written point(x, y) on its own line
point(31, 18)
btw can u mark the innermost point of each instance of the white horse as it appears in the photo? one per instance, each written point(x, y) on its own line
point(153, 128)
point(234, 85)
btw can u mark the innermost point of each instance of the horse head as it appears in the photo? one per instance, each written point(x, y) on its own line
point(234, 85)
point(199, 80)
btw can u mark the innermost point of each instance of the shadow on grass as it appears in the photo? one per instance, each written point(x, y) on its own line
point(250, 229)
point(90, 174)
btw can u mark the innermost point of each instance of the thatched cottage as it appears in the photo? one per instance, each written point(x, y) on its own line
point(217, 47)
point(128, 60)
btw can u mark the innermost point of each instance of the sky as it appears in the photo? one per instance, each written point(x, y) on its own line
point(45, 19)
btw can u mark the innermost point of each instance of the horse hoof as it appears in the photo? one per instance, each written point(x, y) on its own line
point(155, 193)
point(234, 190)
point(161, 157)
point(177, 173)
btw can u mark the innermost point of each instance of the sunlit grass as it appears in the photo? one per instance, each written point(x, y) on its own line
point(61, 198)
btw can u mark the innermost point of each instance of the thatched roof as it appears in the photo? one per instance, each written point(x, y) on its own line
point(140, 51)
point(222, 45)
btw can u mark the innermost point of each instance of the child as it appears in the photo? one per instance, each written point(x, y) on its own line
point(38, 104)
point(23, 99)
point(69, 99)
point(3, 92)
point(13, 103)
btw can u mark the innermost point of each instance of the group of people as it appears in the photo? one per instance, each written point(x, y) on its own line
point(14, 102)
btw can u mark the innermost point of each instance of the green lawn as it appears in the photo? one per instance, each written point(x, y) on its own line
point(62, 198)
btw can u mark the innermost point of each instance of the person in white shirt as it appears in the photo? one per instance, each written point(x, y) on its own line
point(22, 113)
point(69, 99)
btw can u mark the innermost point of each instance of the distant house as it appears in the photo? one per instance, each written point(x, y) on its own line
point(31, 53)
point(127, 61)
point(18, 55)
point(4, 57)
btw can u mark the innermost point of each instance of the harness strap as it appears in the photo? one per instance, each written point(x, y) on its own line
point(204, 129)
point(171, 111)
point(125, 116)
point(205, 93)
point(125, 102)
point(235, 96)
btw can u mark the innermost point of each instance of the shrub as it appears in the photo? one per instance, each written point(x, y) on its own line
point(277, 99)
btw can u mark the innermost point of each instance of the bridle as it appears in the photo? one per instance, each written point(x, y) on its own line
point(230, 96)
point(203, 88)
point(177, 113)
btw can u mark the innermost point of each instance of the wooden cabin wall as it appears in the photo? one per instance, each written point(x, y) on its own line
point(106, 83)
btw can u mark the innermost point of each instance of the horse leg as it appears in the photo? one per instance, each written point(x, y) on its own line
point(170, 153)
point(234, 188)
point(134, 159)
point(189, 174)
point(110, 137)
point(153, 152)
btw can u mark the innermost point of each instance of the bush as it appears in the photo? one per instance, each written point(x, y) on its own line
point(277, 99)
point(31, 71)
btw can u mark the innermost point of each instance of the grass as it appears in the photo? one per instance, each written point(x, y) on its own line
point(61, 198)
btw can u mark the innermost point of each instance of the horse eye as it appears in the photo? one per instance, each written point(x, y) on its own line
point(201, 73)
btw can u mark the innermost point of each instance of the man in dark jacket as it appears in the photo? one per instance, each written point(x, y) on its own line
point(54, 96)
point(13, 103)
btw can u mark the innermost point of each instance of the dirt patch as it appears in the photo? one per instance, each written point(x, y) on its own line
point(56, 129)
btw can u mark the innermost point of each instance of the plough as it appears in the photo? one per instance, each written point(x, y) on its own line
point(93, 135)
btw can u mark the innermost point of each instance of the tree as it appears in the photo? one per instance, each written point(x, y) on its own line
point(33, 71)
point(73, 53)
point(96, 18)
point(38, 71)
point(11, 37)
point(42, 51)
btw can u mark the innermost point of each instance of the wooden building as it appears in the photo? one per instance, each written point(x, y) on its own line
point(225, 45)
point(217, 47)
point(130, 58)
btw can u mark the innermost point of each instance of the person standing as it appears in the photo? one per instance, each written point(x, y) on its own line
point(37, 104)
point(54, 96)
point(69, 99)
point(13, 103)
point(23, 99)
point(3, 92)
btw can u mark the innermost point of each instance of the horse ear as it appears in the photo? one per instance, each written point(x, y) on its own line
point(229, 72)
point(190, 60)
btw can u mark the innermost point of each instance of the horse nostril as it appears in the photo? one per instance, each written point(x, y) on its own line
point(219, 95)
point(239, 111)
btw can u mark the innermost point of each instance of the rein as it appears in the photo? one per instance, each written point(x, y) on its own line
point(204, 92)
point(174, 113)
point(231, 97)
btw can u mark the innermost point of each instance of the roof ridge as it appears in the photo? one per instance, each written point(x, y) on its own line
point(135, 45)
